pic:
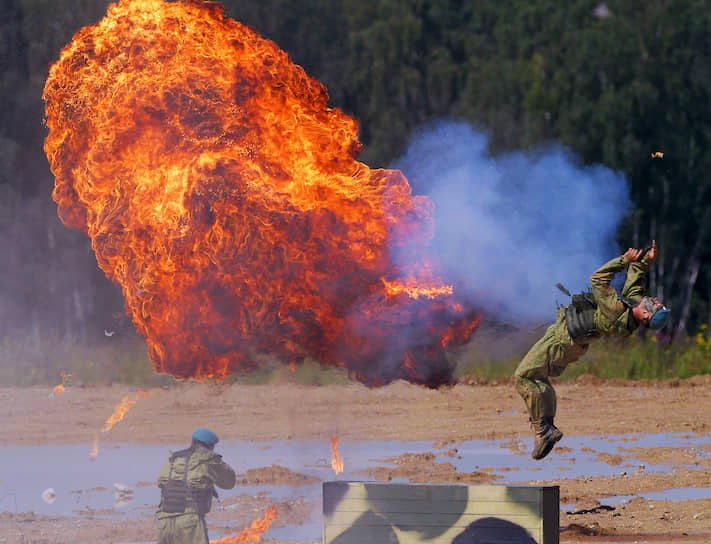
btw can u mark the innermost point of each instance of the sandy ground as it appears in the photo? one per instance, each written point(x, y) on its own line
point(399, 411)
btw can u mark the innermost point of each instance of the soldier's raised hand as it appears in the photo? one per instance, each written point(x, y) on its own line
point(652, 253)
point(633, 254)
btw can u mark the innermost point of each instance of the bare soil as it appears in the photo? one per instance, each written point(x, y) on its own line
point(400, 411)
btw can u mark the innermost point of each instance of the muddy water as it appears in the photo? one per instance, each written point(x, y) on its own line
point(83, 486)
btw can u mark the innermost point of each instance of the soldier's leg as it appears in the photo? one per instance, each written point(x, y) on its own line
point(538, 395)
point(191, 529)
point(545, 358)
point(532, 376)
point(166, 530)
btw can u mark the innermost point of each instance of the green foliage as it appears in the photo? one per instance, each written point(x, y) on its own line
point(613, 89)
point(31, 361)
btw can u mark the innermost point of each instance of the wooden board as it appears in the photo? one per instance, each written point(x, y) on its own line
point(387, 513)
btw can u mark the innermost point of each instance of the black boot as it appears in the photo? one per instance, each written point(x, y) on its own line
point(547, 435)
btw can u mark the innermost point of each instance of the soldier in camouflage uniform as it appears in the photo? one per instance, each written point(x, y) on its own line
point(601, 312)
point(187, 482)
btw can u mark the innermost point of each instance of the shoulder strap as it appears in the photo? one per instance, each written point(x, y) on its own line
point(187, 454)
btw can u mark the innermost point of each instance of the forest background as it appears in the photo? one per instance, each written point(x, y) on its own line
point(613, 82)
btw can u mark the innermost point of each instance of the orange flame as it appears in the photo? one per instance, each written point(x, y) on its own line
point(124, 405)
point(95, 449)
point(336, 462)
point(120, 410)
point(657, 155)
point(224, 196)
point(254, 532)
point(62, 386)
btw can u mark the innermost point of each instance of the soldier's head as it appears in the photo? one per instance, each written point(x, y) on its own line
point(205, 438)
point(651, 312)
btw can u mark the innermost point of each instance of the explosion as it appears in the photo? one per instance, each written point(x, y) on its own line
point(223, 195)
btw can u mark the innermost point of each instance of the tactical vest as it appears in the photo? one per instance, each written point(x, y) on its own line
point(580, 318)
point(177, 495)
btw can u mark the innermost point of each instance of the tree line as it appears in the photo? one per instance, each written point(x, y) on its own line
point(614, 81)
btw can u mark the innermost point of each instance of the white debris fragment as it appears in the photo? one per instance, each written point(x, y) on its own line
point(123, 495)
point(601, 11)
point(49, 495)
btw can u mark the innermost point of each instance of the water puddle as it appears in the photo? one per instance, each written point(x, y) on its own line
point(82, 486)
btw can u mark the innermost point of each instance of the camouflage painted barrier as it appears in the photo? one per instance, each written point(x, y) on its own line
point(386, 513)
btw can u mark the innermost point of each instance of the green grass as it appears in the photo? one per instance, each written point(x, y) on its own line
point(27, 362)
point(647, 357)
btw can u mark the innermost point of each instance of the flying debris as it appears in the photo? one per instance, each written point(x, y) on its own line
point(123, 495)
point(49, 495)
point(601, 11)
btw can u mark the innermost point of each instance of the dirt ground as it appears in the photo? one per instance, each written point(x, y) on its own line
point(400, 411)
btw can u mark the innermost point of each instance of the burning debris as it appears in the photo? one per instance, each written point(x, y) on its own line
point(61, 387)
point(336, 462)
point(658, 155)
point(254, 532)
point(121, 408)
point(224, 196)
point(119, 412)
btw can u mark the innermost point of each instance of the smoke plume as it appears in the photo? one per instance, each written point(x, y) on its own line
point(514, 225)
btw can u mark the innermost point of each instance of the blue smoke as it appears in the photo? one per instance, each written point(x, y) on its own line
point(510, 227)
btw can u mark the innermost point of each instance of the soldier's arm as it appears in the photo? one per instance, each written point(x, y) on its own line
point(635, 285)
point(221, 473)
point(605, 295)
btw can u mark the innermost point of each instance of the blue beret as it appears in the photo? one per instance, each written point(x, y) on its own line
point(659, 319)
point(206, 436)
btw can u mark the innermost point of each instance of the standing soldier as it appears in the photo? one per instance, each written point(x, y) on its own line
point(601, 312)
point(187, 483)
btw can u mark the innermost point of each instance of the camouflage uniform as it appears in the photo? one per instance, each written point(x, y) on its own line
point(556, 349)
point(206, 469)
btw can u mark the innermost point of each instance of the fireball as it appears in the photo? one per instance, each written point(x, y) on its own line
point(223, 194)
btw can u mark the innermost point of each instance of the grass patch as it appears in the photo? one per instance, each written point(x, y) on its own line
point(640, 357)
point(491, 355)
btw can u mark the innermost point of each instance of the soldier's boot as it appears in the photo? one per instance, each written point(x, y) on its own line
point(547, 435)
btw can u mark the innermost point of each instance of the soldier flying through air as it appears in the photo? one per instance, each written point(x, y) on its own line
point(600, 312)
point(187, 482)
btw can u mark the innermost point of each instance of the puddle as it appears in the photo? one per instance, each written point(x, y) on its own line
point(86, 487)
point(679, 494)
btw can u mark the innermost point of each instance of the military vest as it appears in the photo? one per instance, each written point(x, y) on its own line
point(580, 318)
point(177, 494)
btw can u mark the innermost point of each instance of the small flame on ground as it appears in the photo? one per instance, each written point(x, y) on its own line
point(95, 449)
point(254, 532)
point(658, 155)
point(62, 386)
point(336, 462)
